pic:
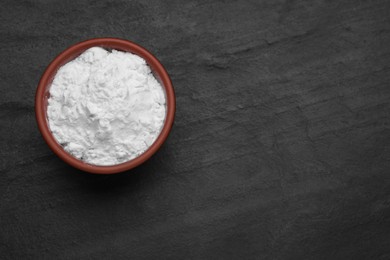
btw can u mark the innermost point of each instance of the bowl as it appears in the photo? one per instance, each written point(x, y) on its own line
point(42, 95)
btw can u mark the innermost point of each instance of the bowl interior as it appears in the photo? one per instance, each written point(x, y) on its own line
point(71, 53)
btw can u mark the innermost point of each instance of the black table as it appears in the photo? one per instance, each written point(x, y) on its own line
point(280, 148)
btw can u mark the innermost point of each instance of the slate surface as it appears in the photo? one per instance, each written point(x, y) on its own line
point(280, 148)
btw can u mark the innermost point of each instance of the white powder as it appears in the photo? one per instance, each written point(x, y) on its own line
point(106, 108)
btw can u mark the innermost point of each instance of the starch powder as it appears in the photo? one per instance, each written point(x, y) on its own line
point(106, 108)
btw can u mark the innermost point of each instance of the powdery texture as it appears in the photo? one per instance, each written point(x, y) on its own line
point(106, 108)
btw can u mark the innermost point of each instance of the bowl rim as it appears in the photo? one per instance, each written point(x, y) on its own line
point(74, 51)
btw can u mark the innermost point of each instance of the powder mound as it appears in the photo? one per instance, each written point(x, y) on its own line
point(106, 108)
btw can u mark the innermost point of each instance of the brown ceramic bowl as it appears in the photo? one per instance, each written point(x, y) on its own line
point(69, 54)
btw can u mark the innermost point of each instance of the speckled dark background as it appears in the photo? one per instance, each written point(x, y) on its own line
point(280, 148)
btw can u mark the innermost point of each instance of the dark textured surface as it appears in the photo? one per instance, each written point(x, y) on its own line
point(280, 148)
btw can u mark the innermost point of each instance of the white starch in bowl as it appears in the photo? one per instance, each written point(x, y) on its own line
point(106, 108)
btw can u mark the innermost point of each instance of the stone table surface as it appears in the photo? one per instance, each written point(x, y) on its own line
point(280, 147)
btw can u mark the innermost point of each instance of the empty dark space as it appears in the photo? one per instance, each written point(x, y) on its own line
point(280, 147)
